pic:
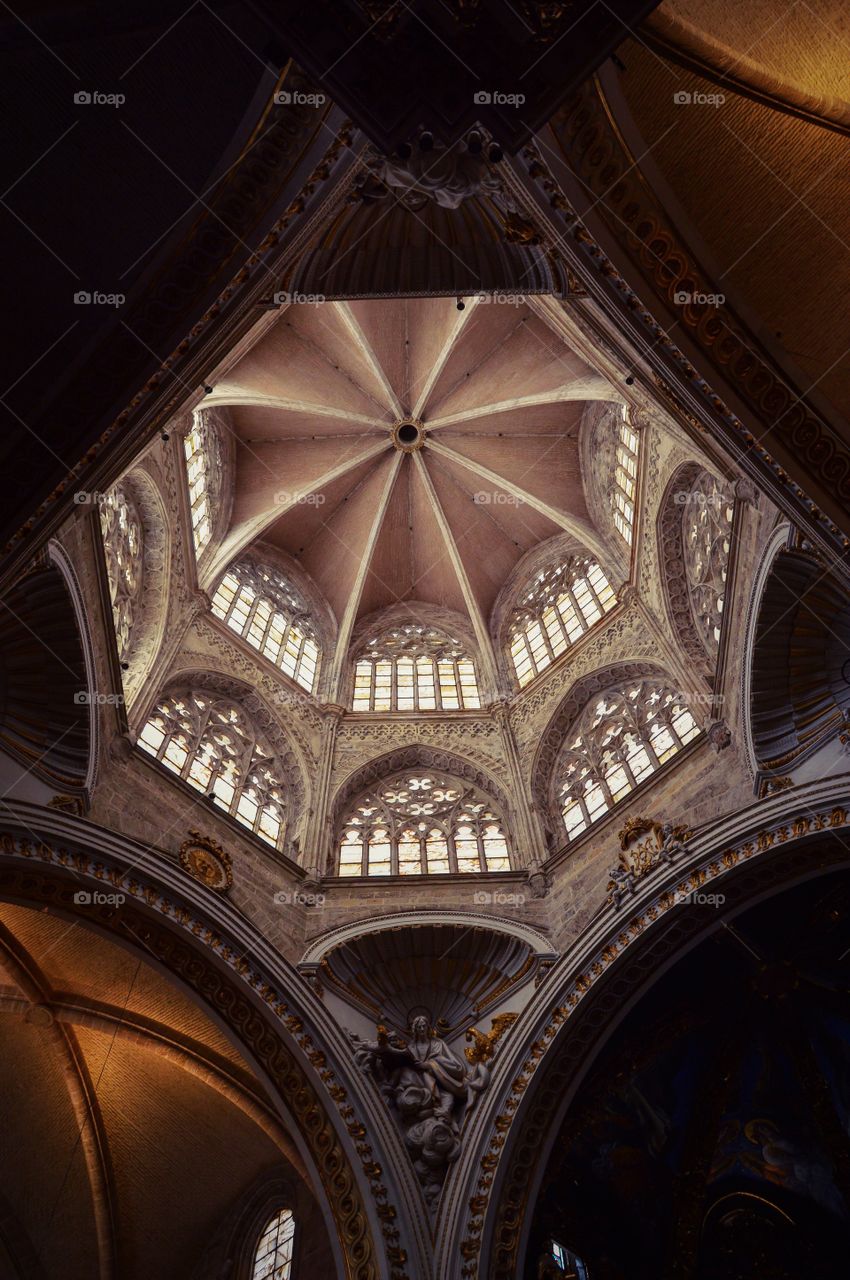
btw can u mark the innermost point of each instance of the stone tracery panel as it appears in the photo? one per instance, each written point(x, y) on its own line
point(277, 767)
point(694, 532)
point(211, 744)
point(552, 742)
point(422, 822)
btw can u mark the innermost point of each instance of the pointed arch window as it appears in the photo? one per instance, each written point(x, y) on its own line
point(625, 481)
point(620, 739)
point(415, 667)
point(122, 530)
point(561, 604)
point(209, 743)
point(261, 604)
point(273, 1255)
point(422, 823)
point(203, 461)
point(707, 538)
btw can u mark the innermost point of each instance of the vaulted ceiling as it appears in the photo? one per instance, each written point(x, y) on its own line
point(407, 450)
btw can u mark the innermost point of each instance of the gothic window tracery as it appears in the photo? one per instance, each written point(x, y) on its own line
point(422, 823)
point(273, 1256)
point(561, 604)
point(261, 604)
point(706, 537)
point(210, 743)
point(121, 526)
point(200, 446)
point(625, 481)
point(621, 737)
point(415, 667)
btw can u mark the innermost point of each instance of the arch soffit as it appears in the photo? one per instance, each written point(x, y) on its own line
point(569, 1019)
point(200, 942)
point(368, 775)
point(322, 945)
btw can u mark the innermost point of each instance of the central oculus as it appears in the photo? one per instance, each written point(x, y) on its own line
point(408, 435)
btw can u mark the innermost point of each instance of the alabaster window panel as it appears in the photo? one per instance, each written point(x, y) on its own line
point(625, 481)
point(209, 742)
point(422, 823)
point(707, 514)
point(273, 1256)
point(123, 544)
point(620, 739)
point(563, 601)
point(264, 607)
point(203, 465)
point(414, 667)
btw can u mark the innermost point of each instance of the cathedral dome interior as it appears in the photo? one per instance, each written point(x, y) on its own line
point(425, 642)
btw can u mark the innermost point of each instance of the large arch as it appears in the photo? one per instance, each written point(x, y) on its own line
point(790, 838)
point(150, 907)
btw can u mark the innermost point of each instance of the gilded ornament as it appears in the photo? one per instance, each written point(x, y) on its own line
point(207, 862)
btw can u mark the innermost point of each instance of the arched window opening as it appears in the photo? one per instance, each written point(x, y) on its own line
point(561, 604)
point(625, 481)
point(415, 667)
point(121, 527)
point(707, 538)
point(273, 1258)
point(422, 824)
point(567, 1262)
point(201, 450)
point(209, 743)
point(261, 604)
point(621, 738)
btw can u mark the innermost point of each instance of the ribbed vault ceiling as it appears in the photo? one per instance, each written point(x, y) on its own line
point(316, 402)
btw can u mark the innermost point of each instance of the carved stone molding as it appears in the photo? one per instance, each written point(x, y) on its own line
point(671, 555)
point(205, 860)
point(416, 757)
point(198, 954)
point(634, 947)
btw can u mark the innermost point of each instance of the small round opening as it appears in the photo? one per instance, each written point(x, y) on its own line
point(407, 433)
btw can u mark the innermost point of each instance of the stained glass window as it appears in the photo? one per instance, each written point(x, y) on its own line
point(706, 535)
